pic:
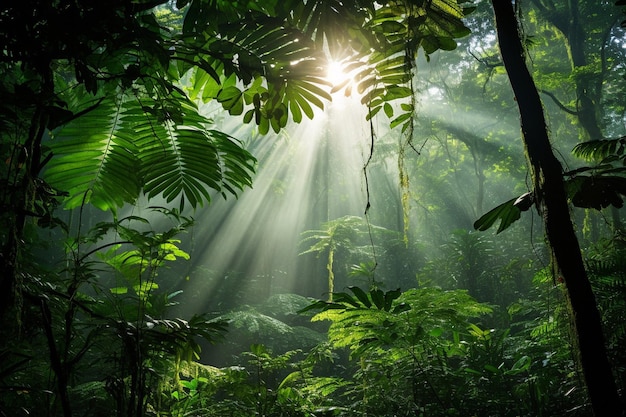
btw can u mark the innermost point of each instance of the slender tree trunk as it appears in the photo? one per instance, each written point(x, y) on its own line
point(59, 367)
point(552, 204)
point(585, 90)
point(21, 193)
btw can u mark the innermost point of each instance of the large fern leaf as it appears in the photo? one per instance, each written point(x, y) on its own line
point(106, 156)
point(183, 157)
point(92, 162)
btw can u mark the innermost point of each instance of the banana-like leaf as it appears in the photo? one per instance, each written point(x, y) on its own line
point(332, 23)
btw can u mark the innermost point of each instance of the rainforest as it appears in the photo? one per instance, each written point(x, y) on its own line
point(312, 208)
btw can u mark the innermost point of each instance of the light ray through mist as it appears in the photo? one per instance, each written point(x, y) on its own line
point(311, 174)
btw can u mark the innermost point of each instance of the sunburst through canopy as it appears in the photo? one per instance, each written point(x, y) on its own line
point(336, 74)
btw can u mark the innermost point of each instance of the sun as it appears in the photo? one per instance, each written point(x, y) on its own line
point(336, 75)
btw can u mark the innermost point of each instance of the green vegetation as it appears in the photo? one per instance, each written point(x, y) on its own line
point(481, 273)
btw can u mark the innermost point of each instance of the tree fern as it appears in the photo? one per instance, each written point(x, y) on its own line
point(341, 233)
point(255, 322)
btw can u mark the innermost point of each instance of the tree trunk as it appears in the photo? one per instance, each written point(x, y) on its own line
point(551, 202)
point(21, 192)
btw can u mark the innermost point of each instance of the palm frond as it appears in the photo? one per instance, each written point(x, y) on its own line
point(335, 24)
point(254, 50)
point(601, 149)
point(289, 55)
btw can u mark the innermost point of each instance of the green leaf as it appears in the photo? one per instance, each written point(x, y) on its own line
point(372, 112)
point(508, 213)
point(390, 296)
point(361, 296)
point(395, 92)
point(378, 297)
point(93, 162)
point(342, 297)
point(388, 110)
point(597, 191)
point(400, 308)
point(472, 371)
point(521, 365)
point(600, 148)
point(296, 113)
point(491, 369)
point(400, 119)
point(231, 99)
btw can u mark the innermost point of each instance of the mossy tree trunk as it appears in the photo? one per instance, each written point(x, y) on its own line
point(552, 204)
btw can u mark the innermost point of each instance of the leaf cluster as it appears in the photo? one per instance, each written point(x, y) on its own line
point(598, 186)
point(128, 145)
point(367, 321)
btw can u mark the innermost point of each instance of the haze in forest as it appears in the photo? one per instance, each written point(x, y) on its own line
point(205, 217)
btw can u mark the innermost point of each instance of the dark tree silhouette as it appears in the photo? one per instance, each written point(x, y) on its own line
point(551, 202)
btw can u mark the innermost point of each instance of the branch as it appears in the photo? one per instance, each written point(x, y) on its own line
point(558, 103)
point(485, 61)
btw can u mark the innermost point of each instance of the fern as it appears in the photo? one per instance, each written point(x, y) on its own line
point(335, 234)
point(379, 45)
point(366, 321)
point(161, 147)
point(92, 162)
point(255, 322)
point(608, 278)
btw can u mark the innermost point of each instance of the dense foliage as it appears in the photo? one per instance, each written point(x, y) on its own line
point(112, 136)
